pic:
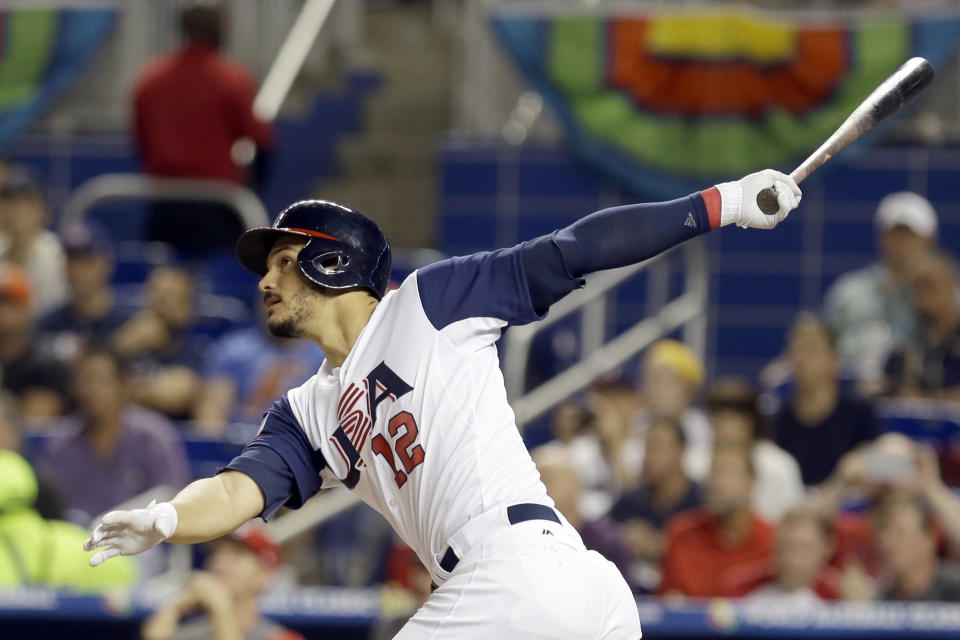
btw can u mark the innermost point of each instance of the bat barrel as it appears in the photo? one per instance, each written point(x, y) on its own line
point(910, 79)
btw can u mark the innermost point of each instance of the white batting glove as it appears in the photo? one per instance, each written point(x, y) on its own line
point(739, 199)
point(131, 532)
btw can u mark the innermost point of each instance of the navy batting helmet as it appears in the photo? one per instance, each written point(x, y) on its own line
point(345, 249)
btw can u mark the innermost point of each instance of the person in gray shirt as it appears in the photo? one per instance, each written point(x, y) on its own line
point(869, 309)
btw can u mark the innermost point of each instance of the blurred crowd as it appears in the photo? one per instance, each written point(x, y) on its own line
point(810, 482)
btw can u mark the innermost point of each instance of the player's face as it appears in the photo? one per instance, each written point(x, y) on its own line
point(288, 295)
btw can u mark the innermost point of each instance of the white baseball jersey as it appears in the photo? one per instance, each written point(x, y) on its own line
point(416, 420)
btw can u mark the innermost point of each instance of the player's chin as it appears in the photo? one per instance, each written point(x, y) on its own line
point(283, 327)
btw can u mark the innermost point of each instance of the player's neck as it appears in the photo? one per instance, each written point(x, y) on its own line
point(339, 324)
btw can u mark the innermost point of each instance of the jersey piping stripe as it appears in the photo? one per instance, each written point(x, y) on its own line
point(309, 232)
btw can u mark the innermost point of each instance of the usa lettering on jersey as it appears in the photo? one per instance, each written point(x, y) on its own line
point(356, 420)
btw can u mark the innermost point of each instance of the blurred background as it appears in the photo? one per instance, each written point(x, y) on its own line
point(761, 429)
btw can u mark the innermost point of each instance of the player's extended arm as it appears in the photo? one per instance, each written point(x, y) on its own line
point(204, 510)
point(621, 236)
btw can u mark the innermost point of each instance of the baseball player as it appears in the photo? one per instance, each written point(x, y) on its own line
point(409, 410)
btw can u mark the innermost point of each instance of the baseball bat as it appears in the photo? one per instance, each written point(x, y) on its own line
point(906, 82)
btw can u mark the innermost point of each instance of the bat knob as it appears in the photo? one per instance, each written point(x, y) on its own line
point(767, 201)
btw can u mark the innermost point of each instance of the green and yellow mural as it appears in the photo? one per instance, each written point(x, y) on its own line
point(664, 101)
point(42, 52)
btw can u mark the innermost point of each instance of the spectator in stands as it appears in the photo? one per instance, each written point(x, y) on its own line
point(819, 421)
point(91, 314)
point(664, 491)
point(239, 568)
point(722, 549)
point(30, 370)
point(562, 481)
point(48, 503)
point(908, 550)
point(735, 418)
point(672, 375)
point(869, 309)
point(165, 353)
point(893, 465)
point(111, 450)
point(930, 366)
point(804, 544)
point(36, 551)
point(27, 243)
point(246, 370)
point(191, 107)
point(664, 488)
point(595, 434)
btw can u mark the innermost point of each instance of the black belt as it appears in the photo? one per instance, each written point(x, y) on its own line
point(516, 514)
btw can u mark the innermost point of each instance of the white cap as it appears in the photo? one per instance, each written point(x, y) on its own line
point(910, 210)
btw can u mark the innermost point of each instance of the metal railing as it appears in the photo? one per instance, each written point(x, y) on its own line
point(133, 186)
point(688, 310)
point(291, 57)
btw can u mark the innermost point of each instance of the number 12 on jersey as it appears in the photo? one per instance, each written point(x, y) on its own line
point(410, 456)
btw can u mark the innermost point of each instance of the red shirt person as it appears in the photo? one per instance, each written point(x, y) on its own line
point(190, 107)
point(193, 104)
point(722, 549)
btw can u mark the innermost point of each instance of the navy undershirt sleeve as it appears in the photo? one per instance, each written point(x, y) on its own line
point(281, 461)
point(554, 265)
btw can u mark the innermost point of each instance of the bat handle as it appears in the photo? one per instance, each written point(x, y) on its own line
point(767, 201)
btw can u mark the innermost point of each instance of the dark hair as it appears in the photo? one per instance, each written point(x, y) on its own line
point(739, 396)
point(671, 425)
point(201, 22)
